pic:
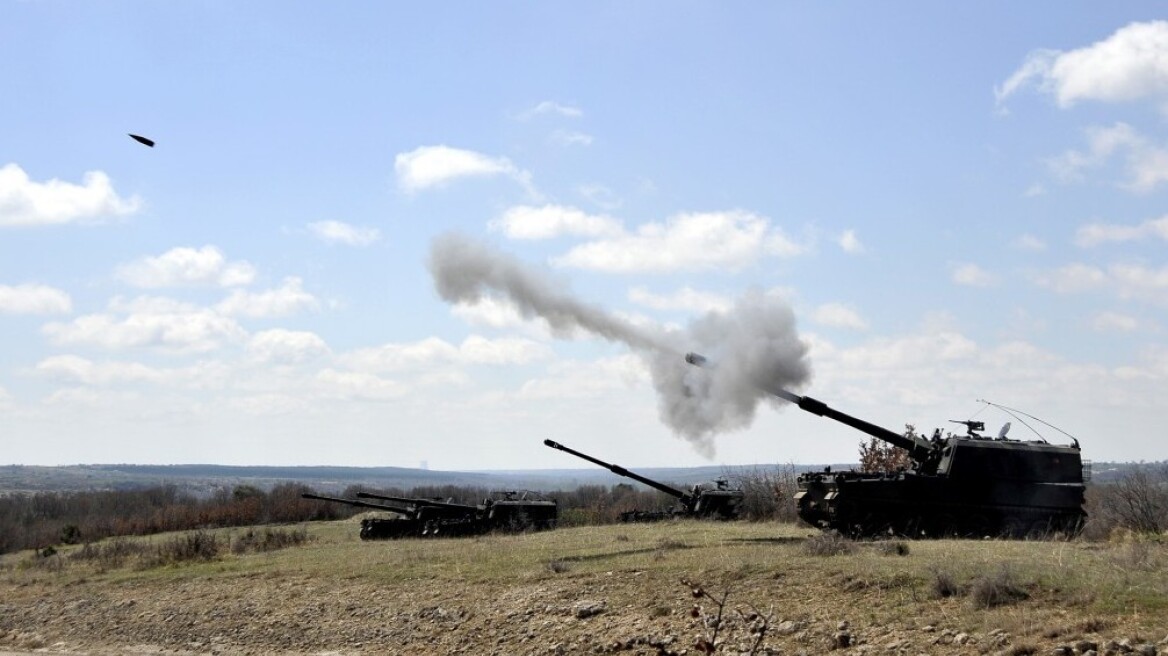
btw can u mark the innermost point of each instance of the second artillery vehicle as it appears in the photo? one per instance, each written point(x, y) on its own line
point(715, 500)
point(510, 512)
point(961, 485)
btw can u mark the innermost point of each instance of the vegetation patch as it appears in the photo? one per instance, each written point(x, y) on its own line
point(828, 544)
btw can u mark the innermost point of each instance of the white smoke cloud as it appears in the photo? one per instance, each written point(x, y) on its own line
point(755, 345)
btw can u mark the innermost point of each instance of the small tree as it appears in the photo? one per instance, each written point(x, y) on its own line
point(877, 456)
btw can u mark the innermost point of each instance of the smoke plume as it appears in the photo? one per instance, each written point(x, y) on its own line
point(754, 346)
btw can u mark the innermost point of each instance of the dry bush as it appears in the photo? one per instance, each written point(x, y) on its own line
point(268, 540)
point(558, 566)
point(892, 547)
point(110, 554)
point(944, 585)
point(198, 546)
point(828, 544)
point(768, 494)
point(1137, 502)
point(998, 589)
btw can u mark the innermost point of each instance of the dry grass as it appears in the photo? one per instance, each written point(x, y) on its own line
point(1031, 588)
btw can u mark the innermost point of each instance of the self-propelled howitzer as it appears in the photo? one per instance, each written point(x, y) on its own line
point(716, 500)
point(967, 485)
point(372, 528)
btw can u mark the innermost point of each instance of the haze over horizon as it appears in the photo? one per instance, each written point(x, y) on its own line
point(949, 203)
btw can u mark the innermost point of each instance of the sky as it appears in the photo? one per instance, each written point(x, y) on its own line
point(950, 204)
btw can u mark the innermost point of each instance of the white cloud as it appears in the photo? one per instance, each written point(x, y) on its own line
point(1146, 163)
point(600, 196)
point(571, 138)
point(34, 299)
point(474, 350)
point(283, 301)
point(1029, 243)
point(850, 243)
point(1034, 191)
point(686, 298)
point(186, 267)
point(503, 314)
point(337, 232)
point(428, 167)
point(27, 203)
point(1099, 233)
point(550, 107)
point(730, 240)
point(359, 386)
point(574, 380)
point(1125, 281)
point(155, 323)
point(1114, 322)
point(286, 346)
point(78, 370)
point(527, 222)
point(837, 315)
point(971, 275)
point(1131, 64)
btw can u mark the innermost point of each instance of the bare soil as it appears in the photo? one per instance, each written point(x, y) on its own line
point(623, 594)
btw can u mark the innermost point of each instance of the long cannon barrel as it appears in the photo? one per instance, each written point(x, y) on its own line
point(418, 502)
point(919, 449)
point(621, 471)
point(363, 504)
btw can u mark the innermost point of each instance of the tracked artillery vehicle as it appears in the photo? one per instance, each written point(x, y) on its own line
point(409, 524)
point(960, 485)
point(715, 500)
point(508, 511)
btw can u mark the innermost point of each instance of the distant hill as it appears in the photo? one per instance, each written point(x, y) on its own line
point(206, 479)
point(203, 480)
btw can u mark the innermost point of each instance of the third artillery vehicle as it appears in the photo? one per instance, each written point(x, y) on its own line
point(967, 485)
point(715, 500)
point(510, 512)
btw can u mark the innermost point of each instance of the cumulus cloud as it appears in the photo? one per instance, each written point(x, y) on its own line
point(600, 196)
point(79, 370)
point(359, 386)
point(575, 380)
point(1029, 243)
point(27, 203)
point(474, 350)
point(551, 107)
point(527, 222)
point(700, 241)
point(429, 167)
point(850, 243)
point(1131, 64)
point(501, 313)
point(34, 299)
point(1126, 281)
point(838, 315)
point(1146, 162)
point(337, 232)
point(286, 346)
point(686, 298)
point(181, 267)
point(971, 275)
point(283, 301)
point(148, 323)
point(1099, 233)
point(1114, 322)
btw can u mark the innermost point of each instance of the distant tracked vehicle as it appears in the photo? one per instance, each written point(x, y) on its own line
point(508, 512)
point(716, 500)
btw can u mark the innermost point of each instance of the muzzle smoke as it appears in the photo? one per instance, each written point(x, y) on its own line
point(754, 346)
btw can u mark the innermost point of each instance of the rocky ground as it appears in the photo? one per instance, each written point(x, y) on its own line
point(611, 598)
point(622, 613)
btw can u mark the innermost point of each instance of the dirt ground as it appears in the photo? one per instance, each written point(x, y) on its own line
point(568, 609)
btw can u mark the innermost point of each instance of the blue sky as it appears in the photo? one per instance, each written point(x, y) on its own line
point(957, 202)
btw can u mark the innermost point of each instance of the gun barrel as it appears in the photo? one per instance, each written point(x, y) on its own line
point(918, 448)
point(362, 504)
point(621, 471)
point(416, 502)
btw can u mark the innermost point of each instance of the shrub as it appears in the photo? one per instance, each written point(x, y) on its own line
point(999, 589)
point(944, 586)
point(828, 544)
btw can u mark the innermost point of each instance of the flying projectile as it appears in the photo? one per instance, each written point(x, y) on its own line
point(143, 140)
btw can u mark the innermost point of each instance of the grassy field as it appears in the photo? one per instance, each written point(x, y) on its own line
point(801, 588)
